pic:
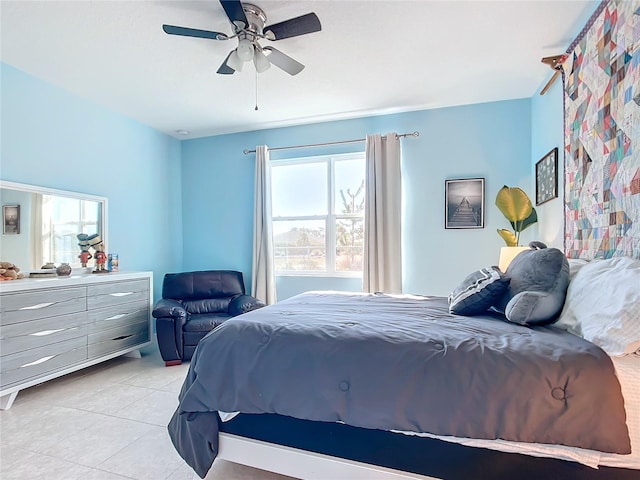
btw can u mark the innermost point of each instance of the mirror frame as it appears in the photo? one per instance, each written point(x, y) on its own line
point(25, 187)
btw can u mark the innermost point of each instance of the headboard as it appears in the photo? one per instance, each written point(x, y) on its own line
point(602, 135)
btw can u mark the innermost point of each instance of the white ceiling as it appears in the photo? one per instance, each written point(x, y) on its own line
point(371, 57)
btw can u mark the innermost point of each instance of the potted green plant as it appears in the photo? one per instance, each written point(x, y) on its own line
point(516, 206)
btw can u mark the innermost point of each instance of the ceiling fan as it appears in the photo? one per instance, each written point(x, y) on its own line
point(248, 22)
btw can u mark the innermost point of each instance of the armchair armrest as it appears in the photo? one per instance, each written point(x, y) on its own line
point(167, 307)
point(243, 304)
point(170, 318)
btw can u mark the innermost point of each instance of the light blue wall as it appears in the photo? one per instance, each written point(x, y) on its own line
point(56, 139)
point(547, 132)
point(491, 140)
point(164, 216)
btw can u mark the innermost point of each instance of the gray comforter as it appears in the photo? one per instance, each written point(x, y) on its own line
point(400, 363)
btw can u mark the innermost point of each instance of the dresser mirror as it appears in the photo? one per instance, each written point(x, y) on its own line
point(40, 224)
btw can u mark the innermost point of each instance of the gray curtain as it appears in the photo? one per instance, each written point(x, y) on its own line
point(263, 280)
point(382, 270)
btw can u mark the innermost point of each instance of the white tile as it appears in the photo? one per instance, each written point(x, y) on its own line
point(94, 445)
point(158, 378)
point(109, 399)
point(95, 377)
point(121, 369)
point(183, 472)
point(151, 457)
point(69, 391)
point(44, 467)
point(11, 456)
point(106, 422)
point(38, 428)
point(174, 387)
point(52, 392)
point(156, 408)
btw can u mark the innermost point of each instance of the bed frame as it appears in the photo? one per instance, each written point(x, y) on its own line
point(325, 450)
point(302, 464)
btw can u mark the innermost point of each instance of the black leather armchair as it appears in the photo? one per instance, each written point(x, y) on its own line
point(193, 304)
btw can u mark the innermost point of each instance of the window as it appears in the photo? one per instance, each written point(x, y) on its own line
point(62, 219)
point(318, 214)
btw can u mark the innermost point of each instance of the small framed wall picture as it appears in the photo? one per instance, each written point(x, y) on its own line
point(547, 177)
point(11, 219)
point(464, 203)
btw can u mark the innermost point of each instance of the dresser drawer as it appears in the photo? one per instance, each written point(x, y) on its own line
point(22, 366)
point(118, 315)
point(37, 333)
point(115, 293)
point(20, 307)
point(113, 339)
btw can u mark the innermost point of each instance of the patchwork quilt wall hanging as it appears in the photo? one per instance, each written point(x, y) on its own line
point(602, 135)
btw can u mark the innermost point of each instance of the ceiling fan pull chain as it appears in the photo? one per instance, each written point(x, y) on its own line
point(256, 109)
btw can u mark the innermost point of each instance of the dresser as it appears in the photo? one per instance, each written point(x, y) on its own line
point(53, 326)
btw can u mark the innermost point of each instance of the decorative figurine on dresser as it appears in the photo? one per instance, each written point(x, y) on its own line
point(63, 270)
point(85, 255)
point(9, 271)
point(100, 255)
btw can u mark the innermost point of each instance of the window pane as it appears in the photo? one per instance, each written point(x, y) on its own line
point(66, 218)
point(299, 189)
point(349, 186)
point(299, 245)
point(349, 244)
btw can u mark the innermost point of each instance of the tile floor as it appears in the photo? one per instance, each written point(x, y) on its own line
point(106, 422)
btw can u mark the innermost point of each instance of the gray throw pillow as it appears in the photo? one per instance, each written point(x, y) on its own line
point(537, 288)
point(479, 291)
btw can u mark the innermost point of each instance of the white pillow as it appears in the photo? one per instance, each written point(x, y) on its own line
point(603, 305)
point(575, 264)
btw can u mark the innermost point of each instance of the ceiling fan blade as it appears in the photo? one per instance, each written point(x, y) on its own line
point(285, 62)
point(293, 27)
point(224, 68)
point(235, 12)
point(193, 32)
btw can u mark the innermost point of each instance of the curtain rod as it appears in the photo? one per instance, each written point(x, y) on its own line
point(413, 134)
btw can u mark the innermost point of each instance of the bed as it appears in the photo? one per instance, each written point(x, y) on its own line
point(351, 385)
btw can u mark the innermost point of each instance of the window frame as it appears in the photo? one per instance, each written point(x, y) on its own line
point(330, 218)
point(53, 244)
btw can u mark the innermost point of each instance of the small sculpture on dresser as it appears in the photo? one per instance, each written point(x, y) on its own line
point(9, 271)
point(63, 270)
point(101, 257)
point(83, 243)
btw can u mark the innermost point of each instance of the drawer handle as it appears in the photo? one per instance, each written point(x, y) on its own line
point(37, 362)
point(121, 294)
point(116, 317)
point(122, 337)
point(37, 306)
point(46, 332)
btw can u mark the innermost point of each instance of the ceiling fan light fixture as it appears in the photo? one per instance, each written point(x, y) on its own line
point(234, 61)
point(245, 50)
point(248, 25)
point(260, 60)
